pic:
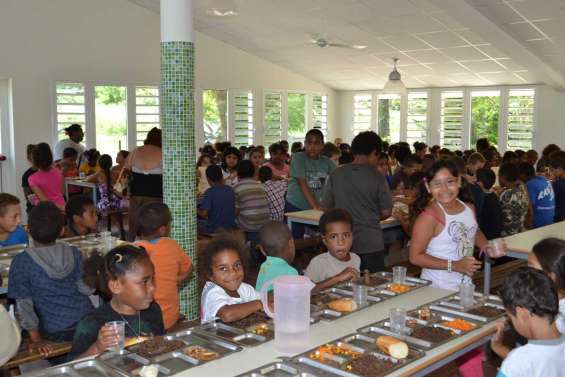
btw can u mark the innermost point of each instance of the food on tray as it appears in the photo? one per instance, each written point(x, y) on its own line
point(262, 329)
point(431, 334)
point(149, 371)
point(135, 340)
point(325, 352)
point(486, 311)
point(371, 281)
point(321, 299)
point(156, 346)
point(460, 324)
point(343, 305)
point(250, 320)
point(369, 366)
point(425, 314)
point(392, 346)
point(201, 353)
point(399, 288)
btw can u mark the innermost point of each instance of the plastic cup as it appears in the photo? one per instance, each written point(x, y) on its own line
point(466, 294)
point(360, 292)
point(120, 328)
point(397, 320)
point(497, 248)
point(82, 175)
point(398, 274)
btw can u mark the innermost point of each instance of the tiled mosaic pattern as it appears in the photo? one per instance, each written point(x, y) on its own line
point(179, 153)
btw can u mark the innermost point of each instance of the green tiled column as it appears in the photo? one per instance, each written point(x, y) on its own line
point(179, 151)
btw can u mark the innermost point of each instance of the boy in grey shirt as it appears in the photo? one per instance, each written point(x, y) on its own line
point(361, 190)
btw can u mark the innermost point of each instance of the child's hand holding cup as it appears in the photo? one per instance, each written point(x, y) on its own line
point(111, 336)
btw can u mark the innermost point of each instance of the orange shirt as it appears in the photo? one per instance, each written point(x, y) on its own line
point(170, 261)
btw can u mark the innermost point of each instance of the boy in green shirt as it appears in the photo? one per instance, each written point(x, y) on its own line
point(277, 244)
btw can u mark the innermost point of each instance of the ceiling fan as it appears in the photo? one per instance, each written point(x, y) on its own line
point(323, 43)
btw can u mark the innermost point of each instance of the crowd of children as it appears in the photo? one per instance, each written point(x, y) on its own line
point(450, 204)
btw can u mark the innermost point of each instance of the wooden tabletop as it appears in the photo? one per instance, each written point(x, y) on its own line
point(525, 241)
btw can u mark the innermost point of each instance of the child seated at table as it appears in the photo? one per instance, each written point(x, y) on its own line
point(82, 218)
point(530, 300)
point(218, 205)
point(337, 236)
point(11, 231)
point(69, 168)
point(172, 264)
point(275, 190)
point(277, 244)
point(90, 166)
point(225, 296)
point(46, 281)
point(126, 274)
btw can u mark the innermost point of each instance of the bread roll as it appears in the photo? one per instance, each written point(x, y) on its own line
point(392, 346)
point(343, 305)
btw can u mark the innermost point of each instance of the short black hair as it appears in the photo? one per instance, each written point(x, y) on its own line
point(45, 222)
point(151, 217)
point(543, 165)
point(416, 179)
point(486, 176)
point(330, 149)
point(335, 215)
point(70, 153)
point(73, 128)
point(124, 153)
point(418, 146)
point(411, 160)
point(345, 158)
point(218, 244)
point(265, 174)
point(296, 147)
point(76, 205)
point(550, 253)
point(315, 132)
point(273, 238)
point(526, 171)
point(509, 171)
point(402, 152)
point(482, 144)
point(230, 150)
point(214, 173)
point(366, 143)
point(245, 169)
point(275, 147)
point(510, 156)
point(532, 290)
point(557, 160)
point(42, 156)
point(7, 200)
point(549, 149)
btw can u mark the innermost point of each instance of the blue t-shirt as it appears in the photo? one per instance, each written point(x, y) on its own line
point(542, 198)
point(16, 237)
point(219, 201)
point(559, 189)
point(538, 358)
point(58, 303)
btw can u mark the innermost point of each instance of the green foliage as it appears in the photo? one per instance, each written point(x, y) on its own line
point(484, 119)
point(296, 114)
point(111, 95)
point(214, 114)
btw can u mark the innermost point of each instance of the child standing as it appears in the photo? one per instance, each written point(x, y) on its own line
point(308, 172)
point(257, 157)
point(276, 191)
point(172, 264)
point(542, 197)
point(230, 160)
point(277, 162)
point(514, 200)
point(11, 231)
point(47, 182)
point(337, 236)
point(28, 193)
point(251, 205)
point(108, 199)
point(383, 168)
point(218, 205)
point(225, 296)
point(557, 162)
point(530, 301)
point(126, 274)
point(82, 218)
point(201, 165)
point(365, 194)
point(490, 215)
point(45, 281)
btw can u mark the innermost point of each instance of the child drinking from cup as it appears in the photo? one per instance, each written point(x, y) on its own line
point(127, 274)
point(225, 296)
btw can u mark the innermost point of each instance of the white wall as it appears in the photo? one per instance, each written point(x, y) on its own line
point(550, 127)
point(107, 41)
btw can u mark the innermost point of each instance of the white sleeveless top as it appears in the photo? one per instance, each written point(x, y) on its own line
point(456, 240)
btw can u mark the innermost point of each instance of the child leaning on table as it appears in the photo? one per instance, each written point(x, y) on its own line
point(531, 303)
point(225, 296)
point(126, 274)
point(11, 231)
point(277, 244)
point(82, 218)
point(46, 281)
point(172, 264)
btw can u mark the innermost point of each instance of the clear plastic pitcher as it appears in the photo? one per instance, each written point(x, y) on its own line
point(292, 312)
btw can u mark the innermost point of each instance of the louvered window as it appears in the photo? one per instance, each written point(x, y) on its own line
point(362, 104)
point(417, 129)
point(70, 107)
point(146, 111)
point(520, 131)
point(243, 118)
point(320, 113)
point(273, 118)
point(451, 122)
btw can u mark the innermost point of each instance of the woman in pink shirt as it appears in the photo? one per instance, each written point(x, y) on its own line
point(47, 183)
point(280, 169)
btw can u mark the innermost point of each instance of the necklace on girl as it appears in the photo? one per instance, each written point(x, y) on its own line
point(138, 332)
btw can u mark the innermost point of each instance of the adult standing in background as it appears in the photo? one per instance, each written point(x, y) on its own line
point(75, 136)
point(145, 165)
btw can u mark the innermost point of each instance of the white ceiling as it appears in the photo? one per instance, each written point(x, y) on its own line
point(439, 42)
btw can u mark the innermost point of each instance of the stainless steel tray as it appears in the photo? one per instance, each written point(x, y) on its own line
point(175, 362)
point(320, 311)
point(220, 346)
point(123, 361)
point(442, 317)
point(94, 368)
point(232, 334)
point(453, 307)
point(12, 250)
point(279, 369)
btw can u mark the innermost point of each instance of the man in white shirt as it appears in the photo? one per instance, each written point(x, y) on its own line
point(76, 135)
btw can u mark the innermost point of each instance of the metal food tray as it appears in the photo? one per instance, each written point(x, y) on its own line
point(123, 361)
point(278, 369)
point(232, 334)
point(12, 250)
point(451, 305)
point(454, 332)
point(382, 289)
point(440, 317)
point(174, 362)
point(93, 368)
point(220, 346)
point(321, 312)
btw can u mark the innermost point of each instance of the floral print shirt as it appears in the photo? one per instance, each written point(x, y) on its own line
point(514, 203)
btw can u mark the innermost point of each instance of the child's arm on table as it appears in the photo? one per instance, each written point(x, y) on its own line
point(232, 313)
point(347, 274)
point(30, 322)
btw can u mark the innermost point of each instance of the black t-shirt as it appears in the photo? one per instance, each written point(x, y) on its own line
point(149, 322)
point(490, 217)
point(25, 184)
